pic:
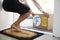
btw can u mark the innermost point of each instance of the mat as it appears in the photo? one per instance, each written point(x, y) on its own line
point(23, 35)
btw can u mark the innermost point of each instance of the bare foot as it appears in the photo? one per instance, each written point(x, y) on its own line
point(15, 27)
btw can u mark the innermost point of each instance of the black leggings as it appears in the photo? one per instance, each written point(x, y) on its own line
point(15, 6)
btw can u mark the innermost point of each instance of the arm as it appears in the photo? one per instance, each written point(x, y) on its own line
point(40, 8)
point(37, 5)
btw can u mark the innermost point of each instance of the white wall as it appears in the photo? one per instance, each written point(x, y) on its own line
point(47, 6)
point(6, 19)
point(56, 26)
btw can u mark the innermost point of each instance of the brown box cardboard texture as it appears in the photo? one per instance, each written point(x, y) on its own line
point(45, 22)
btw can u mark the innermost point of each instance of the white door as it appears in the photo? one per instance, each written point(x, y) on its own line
point(56, 26)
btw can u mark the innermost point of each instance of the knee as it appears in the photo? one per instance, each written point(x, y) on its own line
point(30, 12)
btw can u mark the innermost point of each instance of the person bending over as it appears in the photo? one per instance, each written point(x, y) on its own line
point(20, 8)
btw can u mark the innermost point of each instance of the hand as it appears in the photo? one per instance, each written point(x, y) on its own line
point(46, 14)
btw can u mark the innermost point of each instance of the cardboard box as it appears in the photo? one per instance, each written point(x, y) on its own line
point(40, 21)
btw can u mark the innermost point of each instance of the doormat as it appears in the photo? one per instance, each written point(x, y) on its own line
point(22, 35)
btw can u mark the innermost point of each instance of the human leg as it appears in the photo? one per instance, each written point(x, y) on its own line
point(16, 25)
